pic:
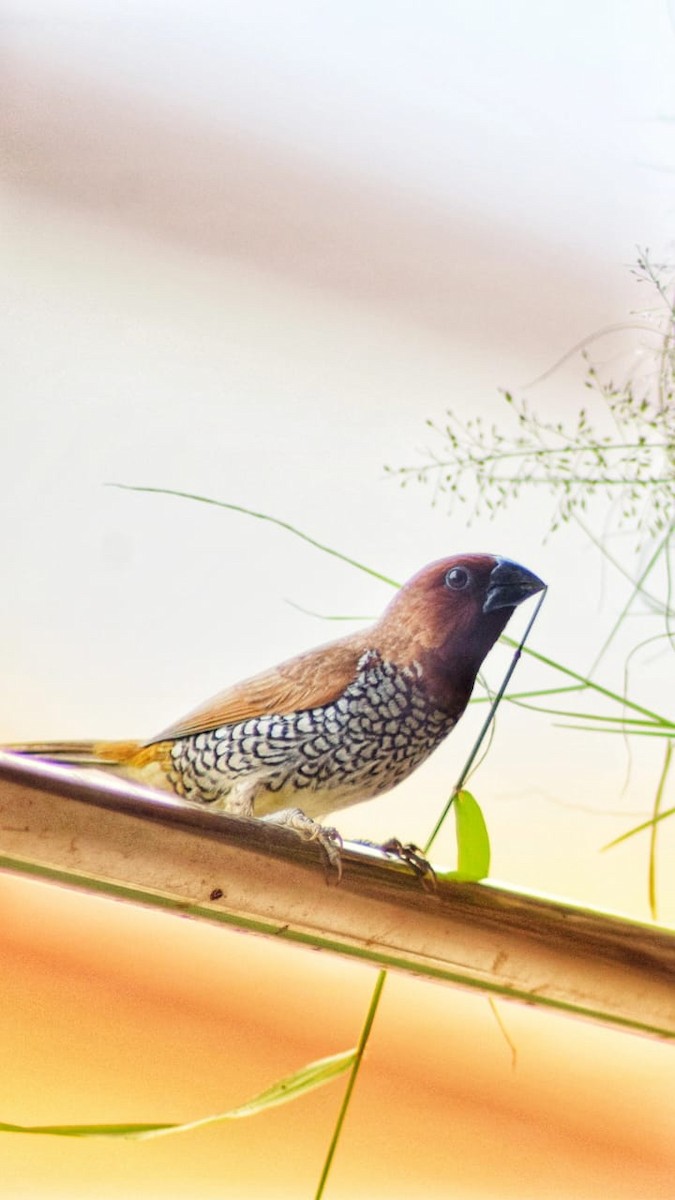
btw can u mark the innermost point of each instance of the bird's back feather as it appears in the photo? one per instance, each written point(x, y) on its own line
point(308, 681)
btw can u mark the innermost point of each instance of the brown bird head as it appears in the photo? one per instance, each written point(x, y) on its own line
point(448, 617)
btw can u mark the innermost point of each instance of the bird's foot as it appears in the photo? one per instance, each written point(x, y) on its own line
point(311, 831)
point(412, 855)
point(406, 853)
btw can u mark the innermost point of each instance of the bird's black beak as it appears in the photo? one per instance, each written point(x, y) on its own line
point(509, 585)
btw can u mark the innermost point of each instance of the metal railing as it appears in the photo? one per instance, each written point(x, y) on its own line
point(105, 835)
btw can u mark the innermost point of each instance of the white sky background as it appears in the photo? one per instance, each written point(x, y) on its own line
point(524, 111)
point(526, 147)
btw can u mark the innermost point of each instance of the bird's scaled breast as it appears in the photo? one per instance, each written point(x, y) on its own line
point(364, 742)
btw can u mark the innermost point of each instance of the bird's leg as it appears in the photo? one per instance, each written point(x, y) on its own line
point(240, 801)
point(310, 831)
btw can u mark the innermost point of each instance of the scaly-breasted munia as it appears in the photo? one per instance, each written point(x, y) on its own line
point(338, 724)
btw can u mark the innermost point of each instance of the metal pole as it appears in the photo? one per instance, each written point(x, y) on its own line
point(105, 835)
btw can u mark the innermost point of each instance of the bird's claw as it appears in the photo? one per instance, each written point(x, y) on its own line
point(412, 856)
point(310, 830)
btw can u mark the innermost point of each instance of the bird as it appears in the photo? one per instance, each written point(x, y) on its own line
point(337, 724)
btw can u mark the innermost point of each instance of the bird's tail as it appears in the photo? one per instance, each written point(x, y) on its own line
point(83, 754)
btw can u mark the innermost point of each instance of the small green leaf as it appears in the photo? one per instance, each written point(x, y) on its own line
point(473, 842)
point(313, 1075)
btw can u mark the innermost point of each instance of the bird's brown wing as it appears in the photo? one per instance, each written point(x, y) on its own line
point(307, 681)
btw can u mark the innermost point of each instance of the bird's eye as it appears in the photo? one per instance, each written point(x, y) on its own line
point(457, 579)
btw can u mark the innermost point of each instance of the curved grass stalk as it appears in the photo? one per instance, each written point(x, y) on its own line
point(259, 516)
point(356, 1067)
point(291, 1087)
point(654, 830)
point(637, 589)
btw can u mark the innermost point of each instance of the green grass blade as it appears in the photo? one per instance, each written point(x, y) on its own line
point(87, 1131)
point(259, 516)
point(655, 830)
point(601, 546)
point(623, 837)
point(587, 683)
point(494, 1007)
point(636, 591)
point(655, 731)
point(291, 1087)
point(622, 720)
point(638, 722)
point(516, 697)
point(357, 1058)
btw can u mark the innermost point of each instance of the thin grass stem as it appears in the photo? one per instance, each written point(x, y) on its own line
point(655, 830)
point(353, 1075)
